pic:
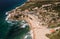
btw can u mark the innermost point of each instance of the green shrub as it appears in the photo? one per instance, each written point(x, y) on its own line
point(51, 26)
point(54, 35)
point(58, 25)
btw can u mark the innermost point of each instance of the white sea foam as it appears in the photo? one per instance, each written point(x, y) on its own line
point(26, 37)
point(24, 25)
point(8, 21)
point(8, 17)
point(6, 13)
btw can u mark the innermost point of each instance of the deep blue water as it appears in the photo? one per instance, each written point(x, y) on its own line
point(6, 31)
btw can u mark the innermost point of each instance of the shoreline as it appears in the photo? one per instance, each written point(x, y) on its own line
point(17, 6)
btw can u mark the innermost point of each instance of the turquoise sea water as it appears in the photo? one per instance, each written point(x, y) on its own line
point(7, 30)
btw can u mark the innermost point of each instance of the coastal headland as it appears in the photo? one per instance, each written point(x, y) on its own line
point(43, 17)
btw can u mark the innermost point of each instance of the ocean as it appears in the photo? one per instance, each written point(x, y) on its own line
point(7, 30)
